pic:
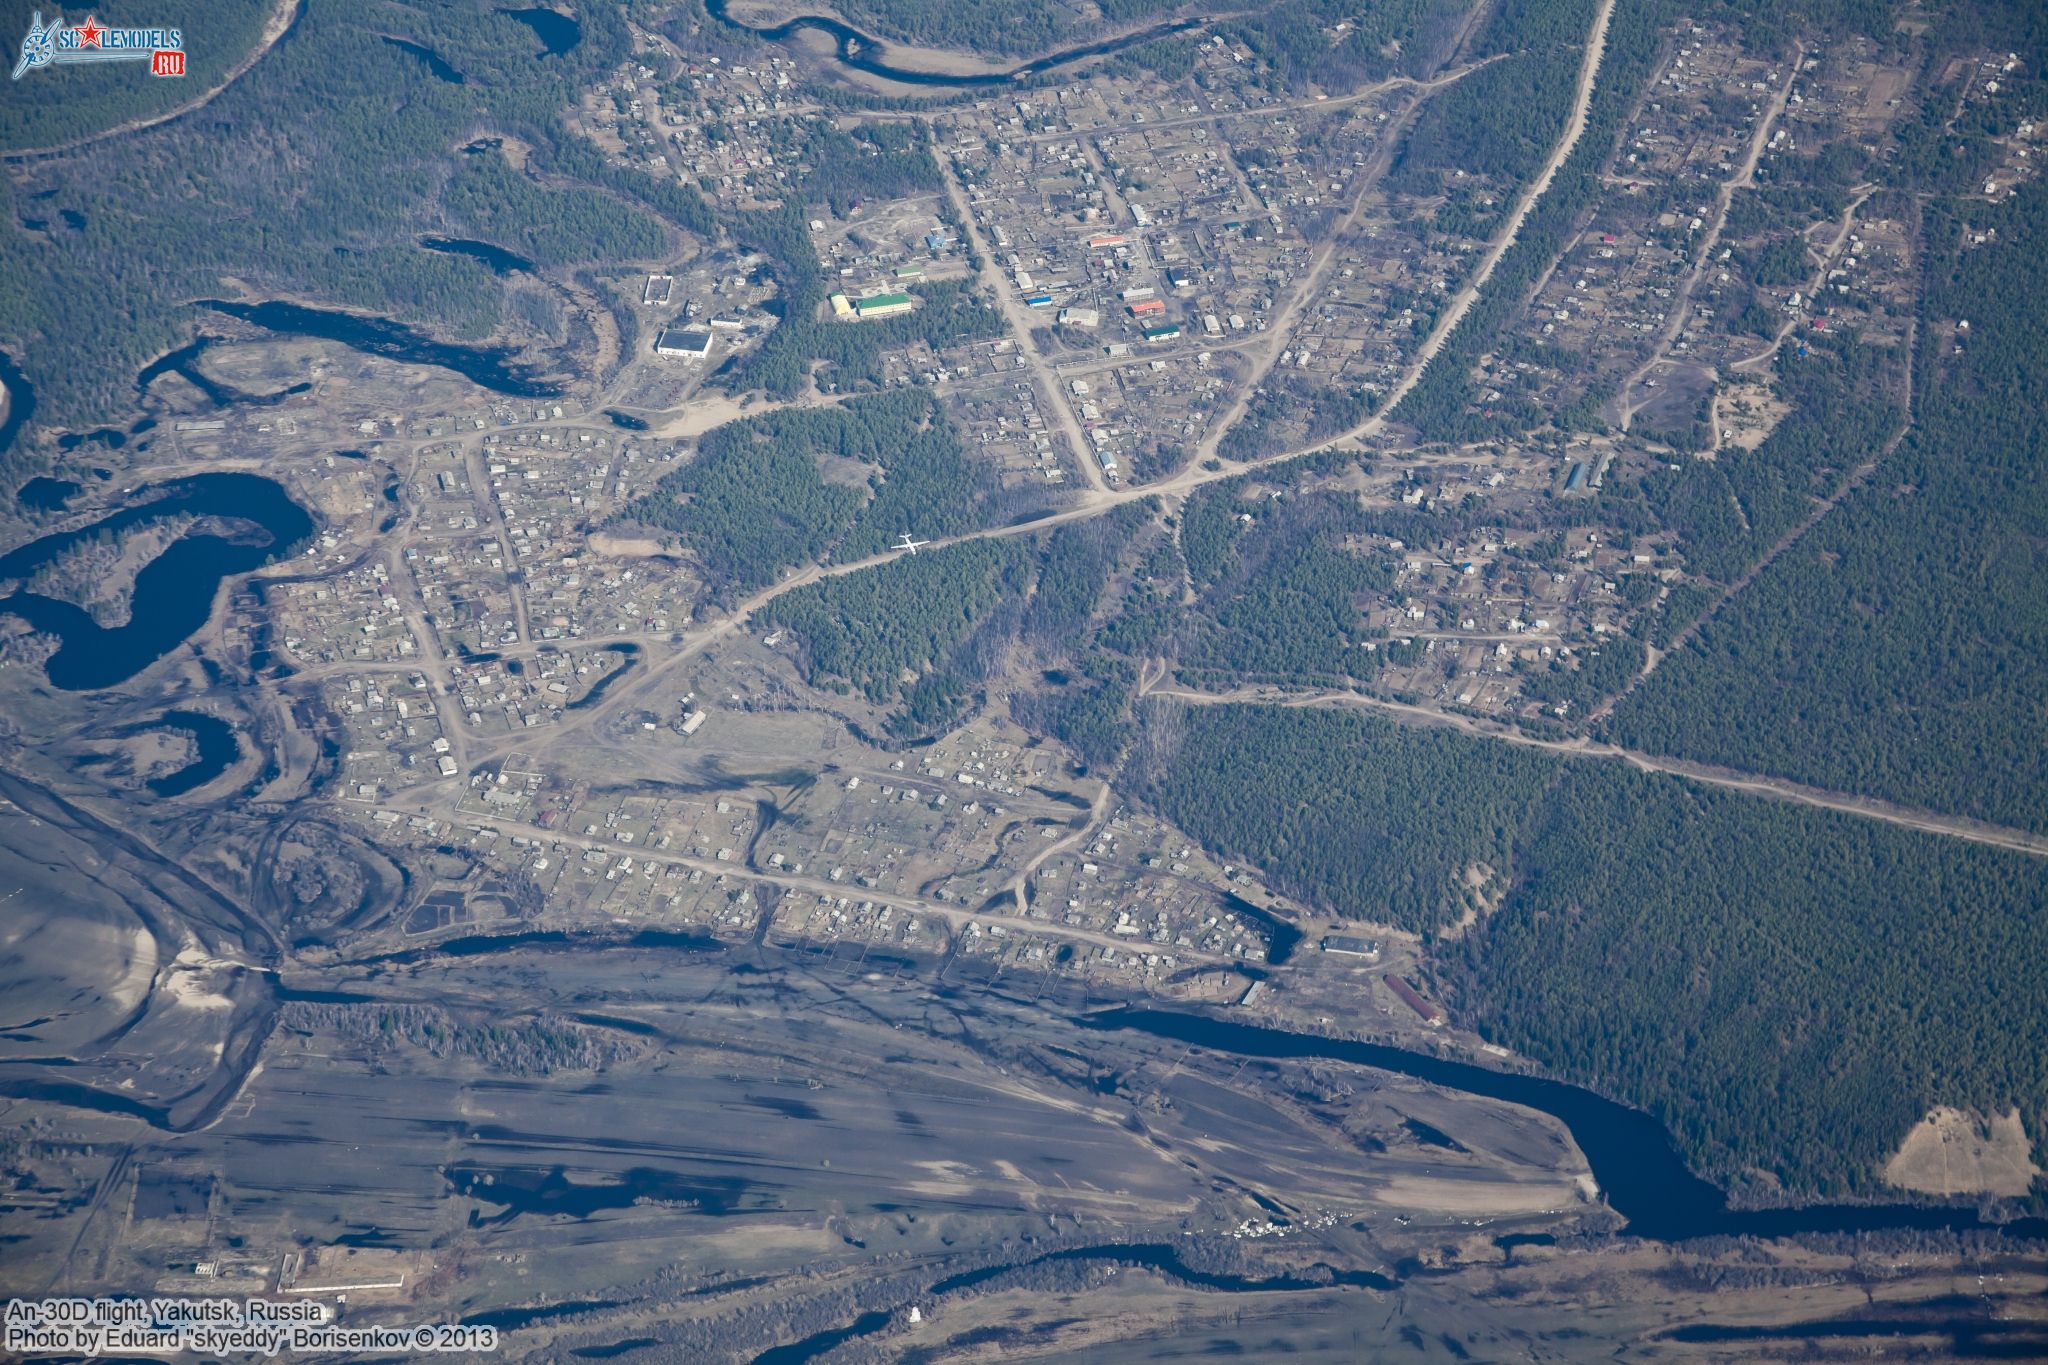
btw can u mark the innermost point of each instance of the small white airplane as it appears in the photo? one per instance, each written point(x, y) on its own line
point(911, 545)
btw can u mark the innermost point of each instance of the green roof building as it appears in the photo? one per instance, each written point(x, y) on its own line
point(882, 305)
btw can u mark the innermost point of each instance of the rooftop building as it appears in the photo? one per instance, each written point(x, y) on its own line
point(684, 343)
point(881, 305)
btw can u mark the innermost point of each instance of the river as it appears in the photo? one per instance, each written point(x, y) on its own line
point(1631, 1154)
point(863, 53)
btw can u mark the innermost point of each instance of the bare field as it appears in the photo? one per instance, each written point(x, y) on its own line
point(1953, 1152)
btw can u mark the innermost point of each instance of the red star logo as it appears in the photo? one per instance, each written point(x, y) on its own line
point(89, 33)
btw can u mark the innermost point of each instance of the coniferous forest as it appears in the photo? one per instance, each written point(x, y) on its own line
point(1780, 985)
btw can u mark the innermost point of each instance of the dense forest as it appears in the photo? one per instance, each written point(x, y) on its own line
point(1079, 559)
point(1350, 813)
point(301, 177)
point(1901, 648)
point(756, 498)
point(1537, 45)
point(1788, 989)
point(487, 198)
point(1083, 702)
point(752, 501)
point(1287, 607)
point(1300, 43)
point(63, 103)
point(1330, 45)
point(1729, 511)
point(906, 630)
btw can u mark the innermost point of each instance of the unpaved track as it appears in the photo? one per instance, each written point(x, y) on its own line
point(1280, 334)
point(1749, 364)
point(956, 917)
point(1019, 317)
point(1927, 822)
point(1681, 306)
point(1222, 116)
point(1575, 128)
point(1020, 885)
point(1852, 481)
point(1093, 502)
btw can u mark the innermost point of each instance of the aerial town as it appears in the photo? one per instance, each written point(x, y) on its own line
point(895, 681)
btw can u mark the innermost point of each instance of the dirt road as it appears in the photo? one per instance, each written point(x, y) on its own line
point(956, 917)
point(1020, 885)
point(1093, 501)
point(1850, 482)
point(1575, 128)
point(1317, 102)
point(1021, 320)
point(1743, 178)
point(1927, 822)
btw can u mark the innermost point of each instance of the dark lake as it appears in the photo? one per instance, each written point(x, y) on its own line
point(113, 438)
point(1632, 1155)
point(45, 494)
point(859, 51)
point(602, 685)
point(1282, 937)
point(174, 593)
point(511, 1319)
point(171, 361)
point(184, 362)
point(433, 60)
point(552, 940)
point(617, 1348)
point(558, 33)
point(550, 1193)
point(490, 366)
point(214, 742)
point(501, 261)
point(1164, 1257)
